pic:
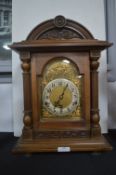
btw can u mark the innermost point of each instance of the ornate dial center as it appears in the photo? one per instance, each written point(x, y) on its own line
point(60, 97)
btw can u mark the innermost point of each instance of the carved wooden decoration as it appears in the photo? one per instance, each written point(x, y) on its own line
point(59, 63)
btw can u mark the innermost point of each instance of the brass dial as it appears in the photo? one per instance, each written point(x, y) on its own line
point(60, 97)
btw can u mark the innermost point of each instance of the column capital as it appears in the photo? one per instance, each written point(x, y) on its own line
point(95, 55)
point(25, 56)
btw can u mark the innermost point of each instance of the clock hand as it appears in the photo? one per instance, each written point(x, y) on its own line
point(61, 96)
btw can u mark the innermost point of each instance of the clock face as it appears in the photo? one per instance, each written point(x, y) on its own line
point(60, 97)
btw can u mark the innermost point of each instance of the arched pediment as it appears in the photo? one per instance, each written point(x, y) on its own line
point(59, 28)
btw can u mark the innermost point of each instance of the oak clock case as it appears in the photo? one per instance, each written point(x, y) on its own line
point(60, 79)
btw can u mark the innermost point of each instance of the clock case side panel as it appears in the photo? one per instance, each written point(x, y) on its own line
point(60, 128)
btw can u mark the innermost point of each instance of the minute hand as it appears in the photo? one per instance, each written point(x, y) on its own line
point(61, 96)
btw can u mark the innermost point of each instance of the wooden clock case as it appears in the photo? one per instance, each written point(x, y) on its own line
point(52, 39)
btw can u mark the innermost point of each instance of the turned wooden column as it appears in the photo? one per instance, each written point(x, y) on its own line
point(27, 119)
point(94, 64)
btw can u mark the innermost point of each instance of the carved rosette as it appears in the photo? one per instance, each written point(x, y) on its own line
point(60, 21)
point(94, 64)
point(25, 58)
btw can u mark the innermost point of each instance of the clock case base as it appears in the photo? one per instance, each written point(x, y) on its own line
point(97, 144)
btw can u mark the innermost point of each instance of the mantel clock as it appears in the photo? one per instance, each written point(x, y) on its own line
point(60, 78)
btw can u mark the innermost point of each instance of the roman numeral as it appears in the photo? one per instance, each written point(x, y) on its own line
point(49, 90)
point(47, 104)
point(74, 103)
point(53, 84)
